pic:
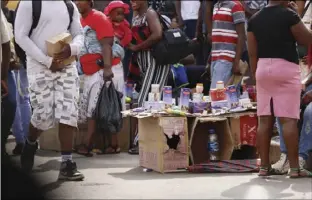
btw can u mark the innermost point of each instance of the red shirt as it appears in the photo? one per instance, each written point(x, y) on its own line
point(99, 23)
point(123, 32)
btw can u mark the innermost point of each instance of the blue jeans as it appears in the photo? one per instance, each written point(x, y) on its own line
point(23, 108)
point(8, 107)
point(221, 70)
point(305, 141)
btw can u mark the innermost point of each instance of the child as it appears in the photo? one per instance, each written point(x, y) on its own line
point(116, 11)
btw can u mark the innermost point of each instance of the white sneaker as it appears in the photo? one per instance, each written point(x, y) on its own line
point(281, 166)
point(302, 163)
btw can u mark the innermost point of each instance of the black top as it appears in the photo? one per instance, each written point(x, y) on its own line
point(272, 29)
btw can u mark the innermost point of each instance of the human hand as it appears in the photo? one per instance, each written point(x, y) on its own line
point(307, 98)
point(65, 52)
point(305, 60)
point(292, 5)
point(133, 47)
point(14, 65)
point(4, 88)
point(108, 74)
point(235, 69)
point(56, 66)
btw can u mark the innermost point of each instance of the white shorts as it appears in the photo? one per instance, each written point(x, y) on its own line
point(54, 97)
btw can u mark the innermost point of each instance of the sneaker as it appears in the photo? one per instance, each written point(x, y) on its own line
point(28, 156)
point(18, 149)
point(281, 166)
point(302, 163)
point(69, 172)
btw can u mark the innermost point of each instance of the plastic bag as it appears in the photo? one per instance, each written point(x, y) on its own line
point(107, 114)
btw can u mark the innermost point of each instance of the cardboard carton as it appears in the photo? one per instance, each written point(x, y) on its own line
point(199, 139)
point(244, 128)
point(163, 143)
point(54, 46)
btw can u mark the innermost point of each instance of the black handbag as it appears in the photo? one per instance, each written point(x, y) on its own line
point(173, 46)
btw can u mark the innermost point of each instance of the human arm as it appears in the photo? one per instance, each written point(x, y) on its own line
point(6, 48)
point(248, 11)
point(208, 19)
point(73, 48)
point(239, 21)
point(199, 24)
point(128, 34)
point(156, 31)
point(301, 33)
point(178, 10)
point(252, 52)
point(301, 6)
point(23, 21)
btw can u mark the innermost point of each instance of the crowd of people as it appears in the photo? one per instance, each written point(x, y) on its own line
point(114, 43)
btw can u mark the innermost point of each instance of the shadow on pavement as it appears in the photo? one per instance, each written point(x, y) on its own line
point(272, 188)
point(138, 174)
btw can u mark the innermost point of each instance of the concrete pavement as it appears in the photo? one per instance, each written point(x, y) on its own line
point(119, 177)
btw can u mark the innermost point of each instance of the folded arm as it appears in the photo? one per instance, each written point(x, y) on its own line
point(23, 21)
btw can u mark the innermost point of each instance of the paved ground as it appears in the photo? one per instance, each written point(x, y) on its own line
point(119, 177)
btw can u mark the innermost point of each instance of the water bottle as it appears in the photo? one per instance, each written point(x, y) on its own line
point(213, 145)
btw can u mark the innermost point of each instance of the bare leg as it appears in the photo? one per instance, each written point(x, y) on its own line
point(114, 146)
point(91, 131)
point(34, 133)
point(264, 135)
point(66, 134)
point(291, 138)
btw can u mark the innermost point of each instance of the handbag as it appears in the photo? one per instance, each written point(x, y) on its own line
point(173, 46)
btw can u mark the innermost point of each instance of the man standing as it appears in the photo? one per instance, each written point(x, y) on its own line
point(54, 87)
point(7, 107)
point(228, 40)
point(188, 12)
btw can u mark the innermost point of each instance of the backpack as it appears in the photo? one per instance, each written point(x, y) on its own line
point(36, 12)
point(173, 46)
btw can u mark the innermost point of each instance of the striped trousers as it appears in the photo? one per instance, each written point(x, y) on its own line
point(150, 73)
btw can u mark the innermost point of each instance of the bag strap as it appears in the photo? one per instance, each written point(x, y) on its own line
point(36, 11)
point(305, 9)
point(164, 23)
point(70, 8)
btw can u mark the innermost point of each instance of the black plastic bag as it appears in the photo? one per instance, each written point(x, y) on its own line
point(107, 114)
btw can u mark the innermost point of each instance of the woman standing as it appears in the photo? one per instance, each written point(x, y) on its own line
point(146, 31)
point(273, 34)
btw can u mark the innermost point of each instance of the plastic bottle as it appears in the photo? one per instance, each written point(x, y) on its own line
point(213, 145)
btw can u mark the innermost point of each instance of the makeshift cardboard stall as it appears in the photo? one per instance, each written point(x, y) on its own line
point(163, 143)
point(200, 137)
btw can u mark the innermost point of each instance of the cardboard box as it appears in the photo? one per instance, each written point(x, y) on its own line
point(163, 143)
point(199, 139)
point(49, 140)
point(54, 46)
point(244, 128)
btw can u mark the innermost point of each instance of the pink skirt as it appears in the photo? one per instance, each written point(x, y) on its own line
point(278, 80)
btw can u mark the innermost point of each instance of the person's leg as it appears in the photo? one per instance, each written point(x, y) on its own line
point(87, 104)
point(264, 135)
point(305, 142)
point(41, 93)
point(66, 97)
point(190, 28)
point(8, 109)
point(290, 134)
point(17, 127)
point(120, 87)
point(221, 70)
point(281, 166)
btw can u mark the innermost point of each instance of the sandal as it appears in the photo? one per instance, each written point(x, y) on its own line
point(265, 171)
point(84, 150)
point(111, 150)
point(299, 173)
